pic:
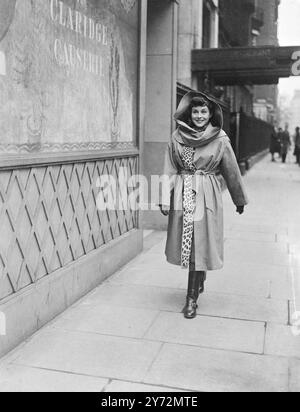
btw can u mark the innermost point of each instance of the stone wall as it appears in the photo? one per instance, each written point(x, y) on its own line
point(69, 114)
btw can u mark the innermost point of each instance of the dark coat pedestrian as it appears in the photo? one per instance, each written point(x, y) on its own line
point(297, 145)
point(275, 144)
point(285, 139)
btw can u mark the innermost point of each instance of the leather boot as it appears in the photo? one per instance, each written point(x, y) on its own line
point(202, 281)
point(190, 309)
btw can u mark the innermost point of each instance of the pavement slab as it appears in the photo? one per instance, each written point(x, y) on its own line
point(23, 379)
point(121, 386)
point(209, 332)
point(281, 289)
point(238, 285)
point(89, 354)
point(280, 341)
point(250, 236)
point(135, 296)
point(206, 370)
point(147, 275)
point(244, 307)
point(294, 374)
point(252, 279)
point(108, 320)
point(246, 226)
point(245, 252)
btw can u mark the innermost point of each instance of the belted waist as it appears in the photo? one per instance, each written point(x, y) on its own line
point(196, 173)
point(203, 187)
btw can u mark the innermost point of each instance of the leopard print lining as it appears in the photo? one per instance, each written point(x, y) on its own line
point(189, 204)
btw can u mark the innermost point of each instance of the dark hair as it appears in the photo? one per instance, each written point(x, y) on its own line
point(201, 101)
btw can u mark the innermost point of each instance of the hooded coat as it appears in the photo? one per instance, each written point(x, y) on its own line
point(213, 157)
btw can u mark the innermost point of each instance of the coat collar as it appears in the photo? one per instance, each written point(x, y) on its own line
point(190, 137)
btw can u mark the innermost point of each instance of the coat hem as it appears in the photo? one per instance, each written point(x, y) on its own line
point(204, 268)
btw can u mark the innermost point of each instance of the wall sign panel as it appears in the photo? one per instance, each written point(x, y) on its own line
point(68, 75)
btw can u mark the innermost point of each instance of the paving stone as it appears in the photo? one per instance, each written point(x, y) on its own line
point(23, 379)
point(295, 284)
point(280, 341)
point(134, 296)
point(282, 238)
point(294, 383)
point(244, 307)
point(246, 235)
point(237, 285)
point(251, 279)
point(121, 386)
point(229, 334)
point(158, 262)
point(258, 252)
point(89, 354)
point(281, 288)
point(147, 233)
point(108, 320)
point(206, 370)
point(159, 248)
point(147, 275)
point(263, 228)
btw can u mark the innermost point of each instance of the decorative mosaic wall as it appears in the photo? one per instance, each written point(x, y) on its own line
point(49, 218)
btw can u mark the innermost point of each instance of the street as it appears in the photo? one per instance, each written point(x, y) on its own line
point(129, 333)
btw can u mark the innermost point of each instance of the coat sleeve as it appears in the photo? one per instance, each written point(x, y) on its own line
point(231, 172)
point(170, 172)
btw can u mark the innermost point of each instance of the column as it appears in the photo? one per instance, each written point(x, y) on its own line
point(160, 92)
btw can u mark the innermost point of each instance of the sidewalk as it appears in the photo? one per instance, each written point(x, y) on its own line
point(129, 334)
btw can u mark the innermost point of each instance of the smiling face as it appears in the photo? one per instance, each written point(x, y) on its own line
point(200, 116)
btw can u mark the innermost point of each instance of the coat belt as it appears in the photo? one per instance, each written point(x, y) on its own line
point(203, 187)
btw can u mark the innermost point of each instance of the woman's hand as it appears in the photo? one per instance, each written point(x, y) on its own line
point(165, 210)
point(240, 209)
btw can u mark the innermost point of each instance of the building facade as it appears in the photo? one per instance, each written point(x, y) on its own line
point(236, 31)
point(72, 98)
point(266, 96)
point(294, 112)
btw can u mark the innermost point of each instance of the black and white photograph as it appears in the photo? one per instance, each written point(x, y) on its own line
point(149, 199)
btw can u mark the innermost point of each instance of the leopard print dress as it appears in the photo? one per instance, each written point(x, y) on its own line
point(189, 204)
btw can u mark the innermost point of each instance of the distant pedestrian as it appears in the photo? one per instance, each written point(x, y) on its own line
point(285, 143)
point(297, 145)
point(198, 153)
point(275, 144)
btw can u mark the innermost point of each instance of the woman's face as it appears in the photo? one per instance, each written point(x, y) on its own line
point(201, 116)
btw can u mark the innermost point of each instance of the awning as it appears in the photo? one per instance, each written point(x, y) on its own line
point(245, 65)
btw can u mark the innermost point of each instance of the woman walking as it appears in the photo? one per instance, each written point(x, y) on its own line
point(198, 153)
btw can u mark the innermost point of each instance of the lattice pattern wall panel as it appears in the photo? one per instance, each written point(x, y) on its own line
point(49, 218)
